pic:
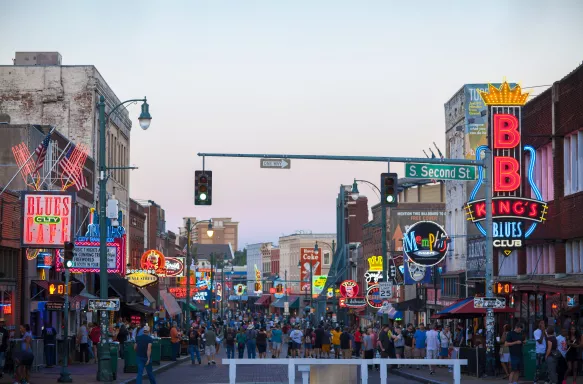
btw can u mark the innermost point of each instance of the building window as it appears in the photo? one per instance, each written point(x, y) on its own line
point(543, 172)
point(326, 258)
point(507, 265)
point(449, 286)
point(540, 259)
point(574, 256)
point(573, 163)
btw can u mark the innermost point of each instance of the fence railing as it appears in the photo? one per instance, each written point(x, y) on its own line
point(305, 364)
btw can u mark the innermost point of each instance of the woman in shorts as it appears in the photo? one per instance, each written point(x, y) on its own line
point(505, 352)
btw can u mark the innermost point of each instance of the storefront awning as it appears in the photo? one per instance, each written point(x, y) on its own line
point(293, 301)
point(264, 300)
point(140, 308)
point(465, 309)
point(415, 305)
point(193, 308)
point(238, 298)
point(170, 303)
point(147, 295)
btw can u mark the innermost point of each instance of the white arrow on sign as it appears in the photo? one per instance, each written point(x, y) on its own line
point(275, 163)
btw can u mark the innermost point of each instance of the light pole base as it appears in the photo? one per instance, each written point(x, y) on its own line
point(104, 373)
point(65, 376)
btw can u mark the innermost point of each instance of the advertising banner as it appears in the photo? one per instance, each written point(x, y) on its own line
point(318, 284)
point(47, 219)
point(476, 259)
point(309, 257)
point(403, 219)
point(86, 255)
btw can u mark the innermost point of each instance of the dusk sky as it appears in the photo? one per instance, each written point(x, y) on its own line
point(291, 77)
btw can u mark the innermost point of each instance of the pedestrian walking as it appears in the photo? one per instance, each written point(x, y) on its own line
point(194, 344)
point(175, 341)
point(276, 340)
point(49, 336)
point(573, 343)
point(296, 337)
point(262, 343)
point(399, 342)
point(23, 356)
point(419, 343)
point(230, 343)
point(143, 348)
point(552, 355)
point(83, 342)
point(504, 351)
point(540, 348)
point(432, 345)
point(514, 341)
point(210, 347)
point(241, 341)
point(251, 337)
point(346, 344)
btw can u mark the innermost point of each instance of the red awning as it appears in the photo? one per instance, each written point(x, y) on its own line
point(264, 300)
point(468, 309)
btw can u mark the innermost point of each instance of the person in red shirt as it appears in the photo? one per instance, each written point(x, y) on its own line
point(94, 336)
point(357, 342)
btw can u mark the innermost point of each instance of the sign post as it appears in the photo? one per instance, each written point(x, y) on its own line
point(65, 376)
point(385, 289)
point(490, 302)
point(103, 305)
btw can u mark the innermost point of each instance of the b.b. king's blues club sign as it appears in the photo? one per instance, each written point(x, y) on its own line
point(515, 217)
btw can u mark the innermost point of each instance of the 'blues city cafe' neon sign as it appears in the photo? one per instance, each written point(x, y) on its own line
point(514, 217)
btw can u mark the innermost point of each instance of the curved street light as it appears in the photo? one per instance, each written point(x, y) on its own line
point(104, 370)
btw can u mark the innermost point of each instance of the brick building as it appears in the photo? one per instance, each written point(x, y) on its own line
point(11, 259)
point(136, 233)
point(546, 274)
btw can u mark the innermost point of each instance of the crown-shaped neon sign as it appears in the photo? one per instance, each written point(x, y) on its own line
point(504, 95)
point(375, 263)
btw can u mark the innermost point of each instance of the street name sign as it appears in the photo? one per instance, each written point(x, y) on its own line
point(385, 289)
point(103, 305)
point(440, 171)
point(275, 163)
point(489, 302)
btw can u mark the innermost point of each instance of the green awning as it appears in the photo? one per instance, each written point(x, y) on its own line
point(193, 308)
point(293, 301)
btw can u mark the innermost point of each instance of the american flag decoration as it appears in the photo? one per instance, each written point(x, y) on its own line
point(41, 152)
point(22, 157)
point(72, 167)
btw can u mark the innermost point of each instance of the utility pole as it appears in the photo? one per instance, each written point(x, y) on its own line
point(286, 285)
point(487, 165)
point(210, 299)
point(65, 376)
point(188, 262)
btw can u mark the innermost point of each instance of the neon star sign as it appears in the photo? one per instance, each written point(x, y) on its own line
point(514, 217)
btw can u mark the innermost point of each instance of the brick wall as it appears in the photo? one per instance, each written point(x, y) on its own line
point(565, 212)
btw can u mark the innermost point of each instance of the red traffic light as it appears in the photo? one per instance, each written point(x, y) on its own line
point(202, 179)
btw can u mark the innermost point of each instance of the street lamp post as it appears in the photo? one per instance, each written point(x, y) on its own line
point(210, 232)
point(104, 372)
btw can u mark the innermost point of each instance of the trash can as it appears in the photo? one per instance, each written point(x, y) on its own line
point(114, 353)
point(529, 356)
point(166, 349)
point(130, 364)
point(156, 352)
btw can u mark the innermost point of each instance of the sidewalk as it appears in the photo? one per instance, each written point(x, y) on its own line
point(442, 376)
point(87, 373)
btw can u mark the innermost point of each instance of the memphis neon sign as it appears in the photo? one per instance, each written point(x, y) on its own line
point(514, 217)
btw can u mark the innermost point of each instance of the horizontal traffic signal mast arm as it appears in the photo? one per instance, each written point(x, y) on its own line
point(382, 159)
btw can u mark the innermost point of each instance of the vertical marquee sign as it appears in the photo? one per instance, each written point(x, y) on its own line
point(514, 217)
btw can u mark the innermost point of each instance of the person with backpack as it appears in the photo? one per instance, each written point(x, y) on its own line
point(251, 337)
point(230, 343)
point(241, 341)
point(308, 338)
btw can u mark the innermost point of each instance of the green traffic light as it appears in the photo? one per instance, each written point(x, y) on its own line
point(202, 196)
point(390, 199)
point(69, 263)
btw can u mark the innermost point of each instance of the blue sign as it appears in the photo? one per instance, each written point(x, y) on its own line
point(44, 260)
point(415, 273)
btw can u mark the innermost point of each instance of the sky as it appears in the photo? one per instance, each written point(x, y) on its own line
point(291, 77)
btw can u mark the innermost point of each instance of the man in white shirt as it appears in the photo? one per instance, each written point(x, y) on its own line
point(432, 345)
point(296, 338)
point(541, 348)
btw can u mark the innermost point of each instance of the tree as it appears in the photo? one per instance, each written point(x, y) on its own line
point(240, 257)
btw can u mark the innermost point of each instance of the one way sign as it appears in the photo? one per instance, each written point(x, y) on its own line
point(275, 163)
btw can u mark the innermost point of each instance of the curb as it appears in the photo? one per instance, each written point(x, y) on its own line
point(417, 378)
point(159, 369)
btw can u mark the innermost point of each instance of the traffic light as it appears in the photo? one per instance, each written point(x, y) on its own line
point(68, 255)
point(389, 185)
point(203, 188)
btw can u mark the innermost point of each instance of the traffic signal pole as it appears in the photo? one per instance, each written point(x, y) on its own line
point(485, 163)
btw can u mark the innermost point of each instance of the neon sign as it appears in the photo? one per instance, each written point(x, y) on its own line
point(510, 210)
point(87, 259)
point(258, 286)
point(180, 293)
point(426, 243)
point(48, 219)
point(349, 288)
point(240, 289)
point(154, 259)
